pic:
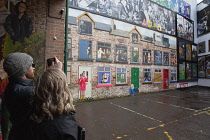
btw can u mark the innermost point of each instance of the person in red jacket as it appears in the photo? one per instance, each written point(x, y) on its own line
point(82, 82)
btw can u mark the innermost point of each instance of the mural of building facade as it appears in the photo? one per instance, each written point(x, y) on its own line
point(115, 49)
point(115, 43)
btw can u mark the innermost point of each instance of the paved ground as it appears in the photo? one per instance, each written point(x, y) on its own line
point(170, 115)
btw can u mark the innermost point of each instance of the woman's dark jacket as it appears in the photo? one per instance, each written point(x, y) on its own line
point(62, 127)
point(18, 29)
point(18, 96)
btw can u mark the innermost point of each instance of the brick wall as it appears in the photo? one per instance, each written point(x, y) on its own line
point(104, 36)
point(55, 30)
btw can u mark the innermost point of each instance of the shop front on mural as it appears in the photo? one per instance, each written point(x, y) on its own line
point(136, 46)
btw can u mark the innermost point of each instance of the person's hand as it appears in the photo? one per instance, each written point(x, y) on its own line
point(57, 64)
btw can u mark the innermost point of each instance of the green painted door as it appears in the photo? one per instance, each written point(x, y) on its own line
point(135, 77)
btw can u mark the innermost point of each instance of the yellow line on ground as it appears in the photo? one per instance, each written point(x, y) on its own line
point(170, 138)
point(163, 125)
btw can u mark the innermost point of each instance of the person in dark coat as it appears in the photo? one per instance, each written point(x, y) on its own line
point(18, 93)
point(19, 25)
point(53, 109)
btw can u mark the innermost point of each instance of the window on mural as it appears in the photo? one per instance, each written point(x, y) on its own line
point(104, 75)
point(173, 59)
point(165, 58)
point(134, 38)
point(85, 49)
point(135, 54)
point(104, 51)
point(121, 53)
point(147, 56)
point(85, 27)
point(173, 76)
point(121, 76)
point(158, 57)
point(147, 75)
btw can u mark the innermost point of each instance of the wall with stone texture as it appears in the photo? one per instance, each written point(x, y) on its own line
point(106, 37)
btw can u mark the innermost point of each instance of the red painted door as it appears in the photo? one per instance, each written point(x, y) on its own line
point(165, 79)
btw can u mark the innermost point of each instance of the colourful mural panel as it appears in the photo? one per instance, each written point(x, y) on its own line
point(194, 71)
point(181, 50)
point(207, 63)
point(185, 28)
point(202, 47)
point(201, 67)
point(182, 71)
point(188, 71)
point(188, 52)
point(141, 12)
point(203, 21)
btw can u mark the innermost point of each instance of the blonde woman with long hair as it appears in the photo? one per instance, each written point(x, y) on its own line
point(53, 109)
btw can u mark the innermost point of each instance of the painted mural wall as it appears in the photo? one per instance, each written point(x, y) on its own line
point(140, 12)
point(203, 44)
point(112, 48)
point(18, 33)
